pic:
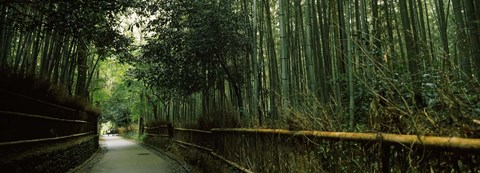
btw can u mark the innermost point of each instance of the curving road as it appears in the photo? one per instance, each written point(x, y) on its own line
point(121, 155)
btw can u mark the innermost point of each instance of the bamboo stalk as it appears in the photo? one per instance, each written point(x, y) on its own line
point(193, 145)
point(435, 141)
point(156, 135)
point(428, 141)
point(476, 121)
point(160, 126)
point(193, 130)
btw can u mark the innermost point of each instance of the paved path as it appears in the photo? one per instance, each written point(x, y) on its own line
point(126, 156)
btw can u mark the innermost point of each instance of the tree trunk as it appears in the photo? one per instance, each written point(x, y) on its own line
point(412, 52)
point(474, 34)
point(462, 42)
point(284, 56)
point(311, 80)
point(81, 88)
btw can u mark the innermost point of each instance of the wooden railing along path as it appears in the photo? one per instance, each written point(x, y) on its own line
point(279, 150)
point(39, 136)
point(25, 119)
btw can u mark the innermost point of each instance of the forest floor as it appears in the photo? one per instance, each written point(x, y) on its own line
point(121, 155)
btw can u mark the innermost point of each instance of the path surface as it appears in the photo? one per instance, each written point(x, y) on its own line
point(124, 156)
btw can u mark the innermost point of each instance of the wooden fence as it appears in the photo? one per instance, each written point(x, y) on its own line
point(26, 120)
point(278, 150)
point(38, 136)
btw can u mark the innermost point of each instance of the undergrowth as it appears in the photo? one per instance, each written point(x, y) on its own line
point(43, 90)
point(215, 119)
point(451, 107)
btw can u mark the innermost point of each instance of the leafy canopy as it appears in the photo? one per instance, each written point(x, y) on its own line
point(194, 45)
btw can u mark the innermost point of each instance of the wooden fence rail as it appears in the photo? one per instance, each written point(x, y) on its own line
point(16, 127)
point(45, 139)
point(388, 149)
point(25, 119)
point(408, 140)
point(156, 127)
point(43, 117)
point(39, 136)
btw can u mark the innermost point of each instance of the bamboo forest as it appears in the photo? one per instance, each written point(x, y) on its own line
point(245, 85)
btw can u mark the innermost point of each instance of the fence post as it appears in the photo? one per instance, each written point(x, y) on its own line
point(384, 153)
point(385, 158)
point(170, 130)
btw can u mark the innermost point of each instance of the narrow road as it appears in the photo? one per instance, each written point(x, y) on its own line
point(125, 156)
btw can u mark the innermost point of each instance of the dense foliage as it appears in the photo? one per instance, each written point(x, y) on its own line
point(395, 66)
point(194, 46)
point(386, 66)
point(59, 41)
point(399, 66)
